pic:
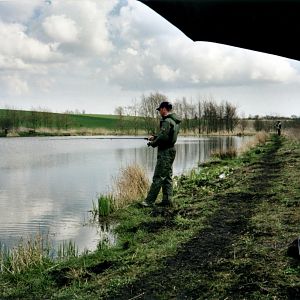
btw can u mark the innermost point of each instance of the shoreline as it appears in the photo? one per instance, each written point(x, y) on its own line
point(74, 133)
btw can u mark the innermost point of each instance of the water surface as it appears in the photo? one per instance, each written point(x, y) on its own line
point(48, 184)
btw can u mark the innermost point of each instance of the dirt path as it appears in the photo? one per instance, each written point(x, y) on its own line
point(195, 270)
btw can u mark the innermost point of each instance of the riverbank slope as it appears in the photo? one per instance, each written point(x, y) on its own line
point(226, 237)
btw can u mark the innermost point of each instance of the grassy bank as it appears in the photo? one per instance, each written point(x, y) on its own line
point(39, 123)
point(226, 238)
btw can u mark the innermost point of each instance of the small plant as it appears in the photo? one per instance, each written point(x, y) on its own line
point(105, 205)
point(66, 250)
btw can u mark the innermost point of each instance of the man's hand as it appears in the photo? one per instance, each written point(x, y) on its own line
point(151, 138)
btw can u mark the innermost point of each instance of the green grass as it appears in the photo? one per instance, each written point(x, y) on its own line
point(71, 121)
point(105, 206)
point(111, 122)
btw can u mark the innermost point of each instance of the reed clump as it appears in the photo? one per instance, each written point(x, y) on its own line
point(261, 137)
point(103, 206)
point(67, 249)
point(35, 251)
point(29, 253)
point(259, 140)
point(293, 133)
point(130, 185)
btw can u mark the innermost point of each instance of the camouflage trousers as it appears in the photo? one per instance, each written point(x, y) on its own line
point(162, 178)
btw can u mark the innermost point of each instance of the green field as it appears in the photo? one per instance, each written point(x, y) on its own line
point(21, 121)
point(103, 121)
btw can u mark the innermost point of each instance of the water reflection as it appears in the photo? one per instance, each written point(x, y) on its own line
point(48, 184)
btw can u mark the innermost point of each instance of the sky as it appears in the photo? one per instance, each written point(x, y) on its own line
point(96, 55)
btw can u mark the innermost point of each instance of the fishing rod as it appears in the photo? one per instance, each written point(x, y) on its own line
point(101, 138)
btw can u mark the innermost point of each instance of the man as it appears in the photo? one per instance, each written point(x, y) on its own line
point(165, 141)
point(278, 127)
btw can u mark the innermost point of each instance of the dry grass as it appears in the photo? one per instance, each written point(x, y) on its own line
point(63, 132)
point(130, 185)
point(33, 252)
point(25, 255)
point(293, 133)
point(259, 139)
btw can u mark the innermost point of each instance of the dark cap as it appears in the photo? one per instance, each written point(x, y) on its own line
point(165, 104)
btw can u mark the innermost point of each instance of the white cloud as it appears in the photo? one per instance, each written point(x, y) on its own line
point(165, 73)
point(84, 22)
point(61, 29)
point(168, 57)
point(14, 85)
point(16, 11)
point(11, 63)
point(17, 44)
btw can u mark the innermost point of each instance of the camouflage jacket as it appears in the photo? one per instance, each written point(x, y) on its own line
point(169, 129)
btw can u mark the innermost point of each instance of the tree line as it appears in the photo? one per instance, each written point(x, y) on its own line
point(203, 117)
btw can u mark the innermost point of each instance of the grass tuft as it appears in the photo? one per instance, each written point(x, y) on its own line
point(130, 185)
point(36, 251)
point(26, 254)
point(259, 140)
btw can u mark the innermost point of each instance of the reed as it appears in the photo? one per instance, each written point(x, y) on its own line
point(293, 133)
point(259, 139)
point(26, 254)
point(33, 252)
point(131, 185)
point(67, 249)
point(105, 205)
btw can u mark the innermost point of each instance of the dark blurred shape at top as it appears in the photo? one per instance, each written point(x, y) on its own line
point(270, 26)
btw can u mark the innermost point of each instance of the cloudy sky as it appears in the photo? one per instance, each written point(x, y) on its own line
point(99, 54)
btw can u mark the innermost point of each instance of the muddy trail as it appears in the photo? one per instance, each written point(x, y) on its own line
point(194, 271)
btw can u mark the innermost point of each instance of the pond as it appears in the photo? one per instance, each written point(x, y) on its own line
point(48, 185)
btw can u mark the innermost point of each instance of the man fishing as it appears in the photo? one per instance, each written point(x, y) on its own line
point(278, 127)
point(165, 141)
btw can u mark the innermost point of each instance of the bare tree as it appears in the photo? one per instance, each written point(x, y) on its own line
point(148, 111)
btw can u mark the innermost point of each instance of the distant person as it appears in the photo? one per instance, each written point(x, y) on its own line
point(278, 127)
point(165, 141)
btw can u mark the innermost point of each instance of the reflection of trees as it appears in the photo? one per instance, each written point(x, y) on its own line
point(189, 153)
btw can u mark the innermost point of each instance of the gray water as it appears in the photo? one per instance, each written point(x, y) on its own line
point(47, 185)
